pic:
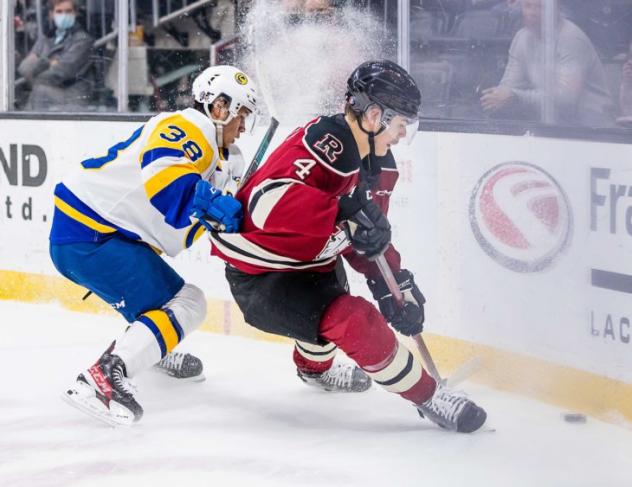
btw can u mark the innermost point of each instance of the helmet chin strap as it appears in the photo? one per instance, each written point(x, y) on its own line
point(219, 133)
point(207, 111)
point(372, 136)
point(219, 125)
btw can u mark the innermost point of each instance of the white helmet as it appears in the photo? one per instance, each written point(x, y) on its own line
point(230, 83)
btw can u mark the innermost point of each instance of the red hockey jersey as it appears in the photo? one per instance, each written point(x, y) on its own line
point(291, 204)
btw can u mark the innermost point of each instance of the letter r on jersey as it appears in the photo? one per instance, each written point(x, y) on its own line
point(330, 147)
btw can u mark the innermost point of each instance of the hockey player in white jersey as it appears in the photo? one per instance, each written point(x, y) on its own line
point(153, 193)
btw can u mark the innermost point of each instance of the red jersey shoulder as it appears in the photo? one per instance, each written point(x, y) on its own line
point(387, 162)
point(330, 141)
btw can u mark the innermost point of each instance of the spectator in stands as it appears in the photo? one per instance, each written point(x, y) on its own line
point(512, 9)
point(18, 26)
point(450, 7)
point(581, 95)
point(306, 8)
point(509, 6)
point(625, 95)
point(57, 66)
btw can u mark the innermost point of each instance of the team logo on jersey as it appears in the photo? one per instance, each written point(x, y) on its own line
point(330, 147)
point(241, 78)
point(119, 305)
point(335, 245)
point(521, 216)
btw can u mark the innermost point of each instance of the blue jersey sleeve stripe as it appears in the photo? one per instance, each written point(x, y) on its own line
point(191, 234)
point(68, 197)
point(154, 329)
point(99, 162)
point(174, 200)
point(155, 154)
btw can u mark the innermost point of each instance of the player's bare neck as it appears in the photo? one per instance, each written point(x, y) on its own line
point(361, 138)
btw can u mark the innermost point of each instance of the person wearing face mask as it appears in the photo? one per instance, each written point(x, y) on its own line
point(57, 67)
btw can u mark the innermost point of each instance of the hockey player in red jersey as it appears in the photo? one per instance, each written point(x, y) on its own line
point(324, 192)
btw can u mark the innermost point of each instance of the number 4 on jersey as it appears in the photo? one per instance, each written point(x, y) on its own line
point(304, 167)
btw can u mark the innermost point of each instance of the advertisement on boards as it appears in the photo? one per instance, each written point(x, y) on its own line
point(33, 157)
point(544, 264)
point(519, 243)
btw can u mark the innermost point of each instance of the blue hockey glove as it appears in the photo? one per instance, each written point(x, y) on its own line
point(409, 318)
point(224, 212)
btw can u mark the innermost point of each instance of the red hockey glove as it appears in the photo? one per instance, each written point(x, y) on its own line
point(409, 318)
point(364, 223)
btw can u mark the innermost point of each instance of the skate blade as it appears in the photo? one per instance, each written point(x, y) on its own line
point(195, 378)
point(82, 397)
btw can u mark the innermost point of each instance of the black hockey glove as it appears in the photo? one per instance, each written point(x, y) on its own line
point(409, 318)
point(364, 223)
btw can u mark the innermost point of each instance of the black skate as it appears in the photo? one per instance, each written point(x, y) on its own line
point(339, 378)
point(452, 410)
point(182, 366)
point(104, 391)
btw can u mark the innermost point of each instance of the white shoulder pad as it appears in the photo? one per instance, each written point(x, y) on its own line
point(228, 175)
point(237, 162)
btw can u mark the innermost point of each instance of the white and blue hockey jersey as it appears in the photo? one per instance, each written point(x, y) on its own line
point(143, 187)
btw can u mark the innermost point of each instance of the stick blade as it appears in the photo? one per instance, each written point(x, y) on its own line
point(464, 372)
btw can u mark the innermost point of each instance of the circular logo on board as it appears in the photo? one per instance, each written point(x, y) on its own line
point(521, 216)
point(241, 78)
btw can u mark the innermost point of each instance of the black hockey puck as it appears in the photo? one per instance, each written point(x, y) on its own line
point(575, 418)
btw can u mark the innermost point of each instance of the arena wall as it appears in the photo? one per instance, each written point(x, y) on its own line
point(522, 246)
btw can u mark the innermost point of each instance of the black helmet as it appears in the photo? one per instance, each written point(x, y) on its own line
point(386, 84)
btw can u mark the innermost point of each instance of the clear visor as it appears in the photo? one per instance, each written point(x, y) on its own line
point(403, 128)
point(412, 127)
point(248, 119)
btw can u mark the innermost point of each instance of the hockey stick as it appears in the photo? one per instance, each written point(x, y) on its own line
point(464, 372)
point(252, 167)
point(261, 151)
point(391, 282)
point(460, 374)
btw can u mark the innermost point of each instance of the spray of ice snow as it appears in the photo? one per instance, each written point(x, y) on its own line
point(302, 63)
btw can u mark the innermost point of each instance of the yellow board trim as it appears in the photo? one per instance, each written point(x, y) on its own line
point(193, 133)
point(80, 217)
point(167, 176)
point(575, 390)
point(168, 332)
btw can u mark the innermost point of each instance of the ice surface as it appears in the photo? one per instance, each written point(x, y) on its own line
point(254, 423)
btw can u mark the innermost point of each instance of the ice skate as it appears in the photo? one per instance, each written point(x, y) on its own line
point(340, 377)
point(452, 410)
point(104, 392)
point(183, 366)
